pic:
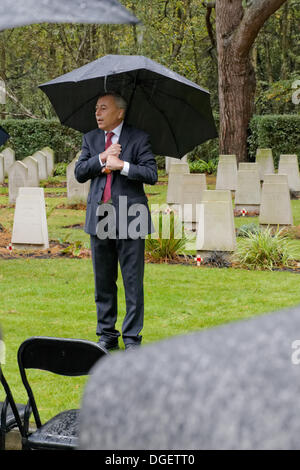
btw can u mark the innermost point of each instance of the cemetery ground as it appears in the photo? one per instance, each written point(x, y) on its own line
point(52, 293)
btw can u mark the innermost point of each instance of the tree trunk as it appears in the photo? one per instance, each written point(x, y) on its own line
point(236, 82)
point(236, 30)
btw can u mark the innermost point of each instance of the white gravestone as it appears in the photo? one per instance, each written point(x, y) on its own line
point(30, 223)
point(9, 159)
point(275, 208)
point(17, 178)
point(288, 165)
point(191, 192)
point(227, 173)
point(41, 158)
point(248, 193)
point(75, 189)
point(175, 179)
point(33, 171)
point(216, 231)
point(171, 160)
point(264, 159)
point(1, 169)
point(50, 159)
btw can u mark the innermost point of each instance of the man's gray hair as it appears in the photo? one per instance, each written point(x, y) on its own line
point(121, 103)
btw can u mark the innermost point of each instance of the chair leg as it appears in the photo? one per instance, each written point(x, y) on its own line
point(2, 440)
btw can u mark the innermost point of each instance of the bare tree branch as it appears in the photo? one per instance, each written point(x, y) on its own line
point(254, 18)
point(27, 112)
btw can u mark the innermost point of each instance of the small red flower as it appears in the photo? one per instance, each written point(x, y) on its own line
point(244, 212)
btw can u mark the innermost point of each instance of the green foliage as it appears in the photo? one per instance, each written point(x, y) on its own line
point(166, 248)
point(264, 250)
point(31, 135)
point(276, 97)
point(246, 229)
point(60, 169)
point(281, 133)
point(200, 166)
point(74, 248)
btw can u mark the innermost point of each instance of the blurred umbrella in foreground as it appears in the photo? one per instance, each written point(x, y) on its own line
point(24, 12)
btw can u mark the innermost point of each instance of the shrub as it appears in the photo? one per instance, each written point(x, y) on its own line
point(281, 133)
point(201, 166)
point(60, 169)
point(30, 135)
point(264, 250)
point(246, 229)
point(162, 249)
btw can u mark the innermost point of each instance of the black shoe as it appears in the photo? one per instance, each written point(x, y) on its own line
point(132, 346)
point(108, 346)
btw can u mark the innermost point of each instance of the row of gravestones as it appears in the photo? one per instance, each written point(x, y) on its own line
point(30, 229)
point(227, 173)
point(211, 212)
point(27, 172)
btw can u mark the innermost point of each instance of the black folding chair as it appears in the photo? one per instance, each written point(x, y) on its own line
point(62, 356)
point(12, 413)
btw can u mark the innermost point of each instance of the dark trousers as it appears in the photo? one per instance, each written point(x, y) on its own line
point(105, 256)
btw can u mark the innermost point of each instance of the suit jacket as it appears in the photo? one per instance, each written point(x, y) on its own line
point(136, 150)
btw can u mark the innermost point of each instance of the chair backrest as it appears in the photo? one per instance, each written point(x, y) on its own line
point(9, 400)
point(63, 356)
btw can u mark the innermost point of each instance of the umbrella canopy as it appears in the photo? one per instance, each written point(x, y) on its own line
point(23, 12)
point(173, 110)
point(4, 136)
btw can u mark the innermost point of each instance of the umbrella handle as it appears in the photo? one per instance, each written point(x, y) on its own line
point(106, 171)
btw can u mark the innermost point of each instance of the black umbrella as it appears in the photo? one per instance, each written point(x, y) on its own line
point(23, 12)
point(4, 136)
point(173, 110)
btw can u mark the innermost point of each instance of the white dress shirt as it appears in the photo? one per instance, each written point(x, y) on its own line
point(114, 140)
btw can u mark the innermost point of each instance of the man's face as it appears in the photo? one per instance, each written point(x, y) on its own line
point(108, 115)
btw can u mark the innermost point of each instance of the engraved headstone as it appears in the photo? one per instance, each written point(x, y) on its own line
point(30, 223)
point(33, 171)
point(50, 159)
point(288, 165)
point(191, 192)
point(248, 193)
point(17, 178)
point(1, 169)
point(9, 159)
point(42, 162)
point(227, 173)
point(175, 179)
point(75, 189)
point(216, 231)
point(170, 161)
point(264, 159)
point(275, 208)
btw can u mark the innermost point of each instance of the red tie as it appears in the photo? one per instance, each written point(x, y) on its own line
point(107, 189)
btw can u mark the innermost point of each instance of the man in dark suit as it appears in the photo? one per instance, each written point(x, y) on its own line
point(118, 160)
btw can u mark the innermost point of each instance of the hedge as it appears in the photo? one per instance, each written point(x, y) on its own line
point(30, 135)
point(279, 132)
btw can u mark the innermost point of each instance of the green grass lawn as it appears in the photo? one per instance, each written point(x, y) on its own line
point(55, 297)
